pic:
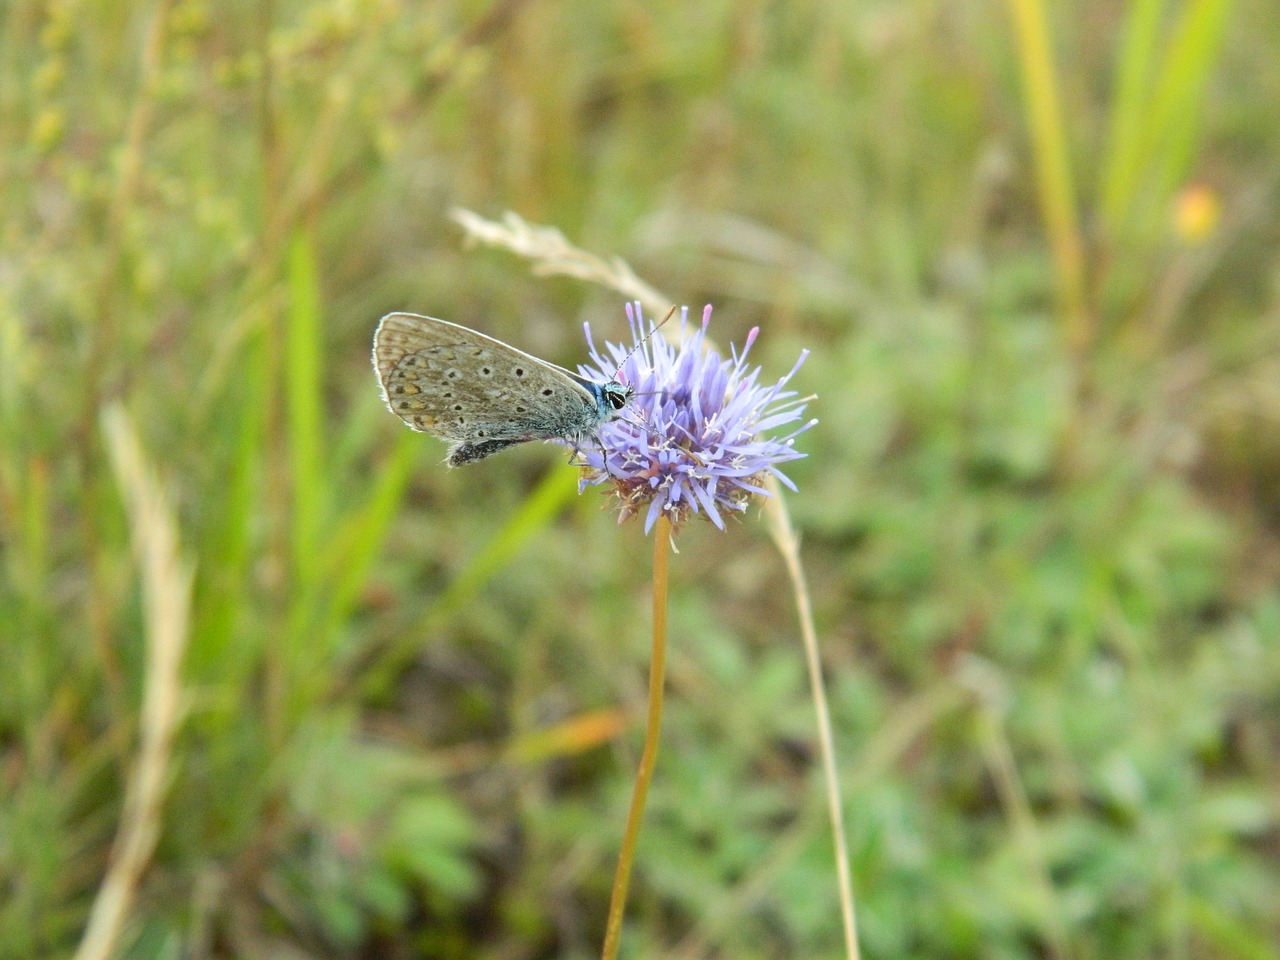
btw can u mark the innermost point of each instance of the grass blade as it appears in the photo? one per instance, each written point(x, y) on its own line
point(1134, 66)
point(166, 587)
point(1193, 52)
point(550, 497)
point(1053, 166)
point(1156, 114)
point(360, 535)
point(302, 366)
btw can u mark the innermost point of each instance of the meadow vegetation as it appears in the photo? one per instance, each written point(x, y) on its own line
point(387, 709)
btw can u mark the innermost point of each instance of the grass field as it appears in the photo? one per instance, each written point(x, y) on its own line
point(275, 682)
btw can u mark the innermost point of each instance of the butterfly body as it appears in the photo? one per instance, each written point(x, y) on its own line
point(481, 395)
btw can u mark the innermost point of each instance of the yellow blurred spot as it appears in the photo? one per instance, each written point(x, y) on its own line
point(1196, 211)
point(49, 76)
point(55, 34)
point(47, 130)
point(338, 91)
point(191, 18)
point(386, 138)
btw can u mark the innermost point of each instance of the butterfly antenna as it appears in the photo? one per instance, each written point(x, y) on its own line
point(643, 341)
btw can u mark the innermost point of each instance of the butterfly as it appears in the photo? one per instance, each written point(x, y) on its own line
point(481, 395)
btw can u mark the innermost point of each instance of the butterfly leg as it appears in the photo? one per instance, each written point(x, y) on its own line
point(579, 459)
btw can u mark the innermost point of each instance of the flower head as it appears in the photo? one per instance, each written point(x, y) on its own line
point(698, 435)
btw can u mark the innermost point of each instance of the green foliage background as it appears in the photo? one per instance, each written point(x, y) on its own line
point(1040, 513)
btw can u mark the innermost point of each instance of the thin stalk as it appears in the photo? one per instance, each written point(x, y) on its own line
point(103, 347)
point(652, 735)
point(788, 545)
point(165, 576)
point(1053, 167)
point(1026, 832)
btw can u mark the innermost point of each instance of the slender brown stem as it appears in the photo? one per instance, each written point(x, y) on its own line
point(652, 734)
point(784, 537)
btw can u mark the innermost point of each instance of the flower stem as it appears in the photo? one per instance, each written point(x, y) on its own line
point(652, 732)
point(784, 537)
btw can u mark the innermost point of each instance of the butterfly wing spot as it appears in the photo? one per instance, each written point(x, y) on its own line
point(452, 373)
point(547, 391)
point(518, 371)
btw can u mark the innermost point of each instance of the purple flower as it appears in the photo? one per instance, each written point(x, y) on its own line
point(698, 435)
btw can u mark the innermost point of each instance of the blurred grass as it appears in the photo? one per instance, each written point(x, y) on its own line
point(206, 209)
point(1054, 179)
point(1157, 107)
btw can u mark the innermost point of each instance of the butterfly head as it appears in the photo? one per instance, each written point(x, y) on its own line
point(614, 396)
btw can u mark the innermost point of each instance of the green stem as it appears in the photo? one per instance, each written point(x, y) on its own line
point(653, 728)
point(1053, 167)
